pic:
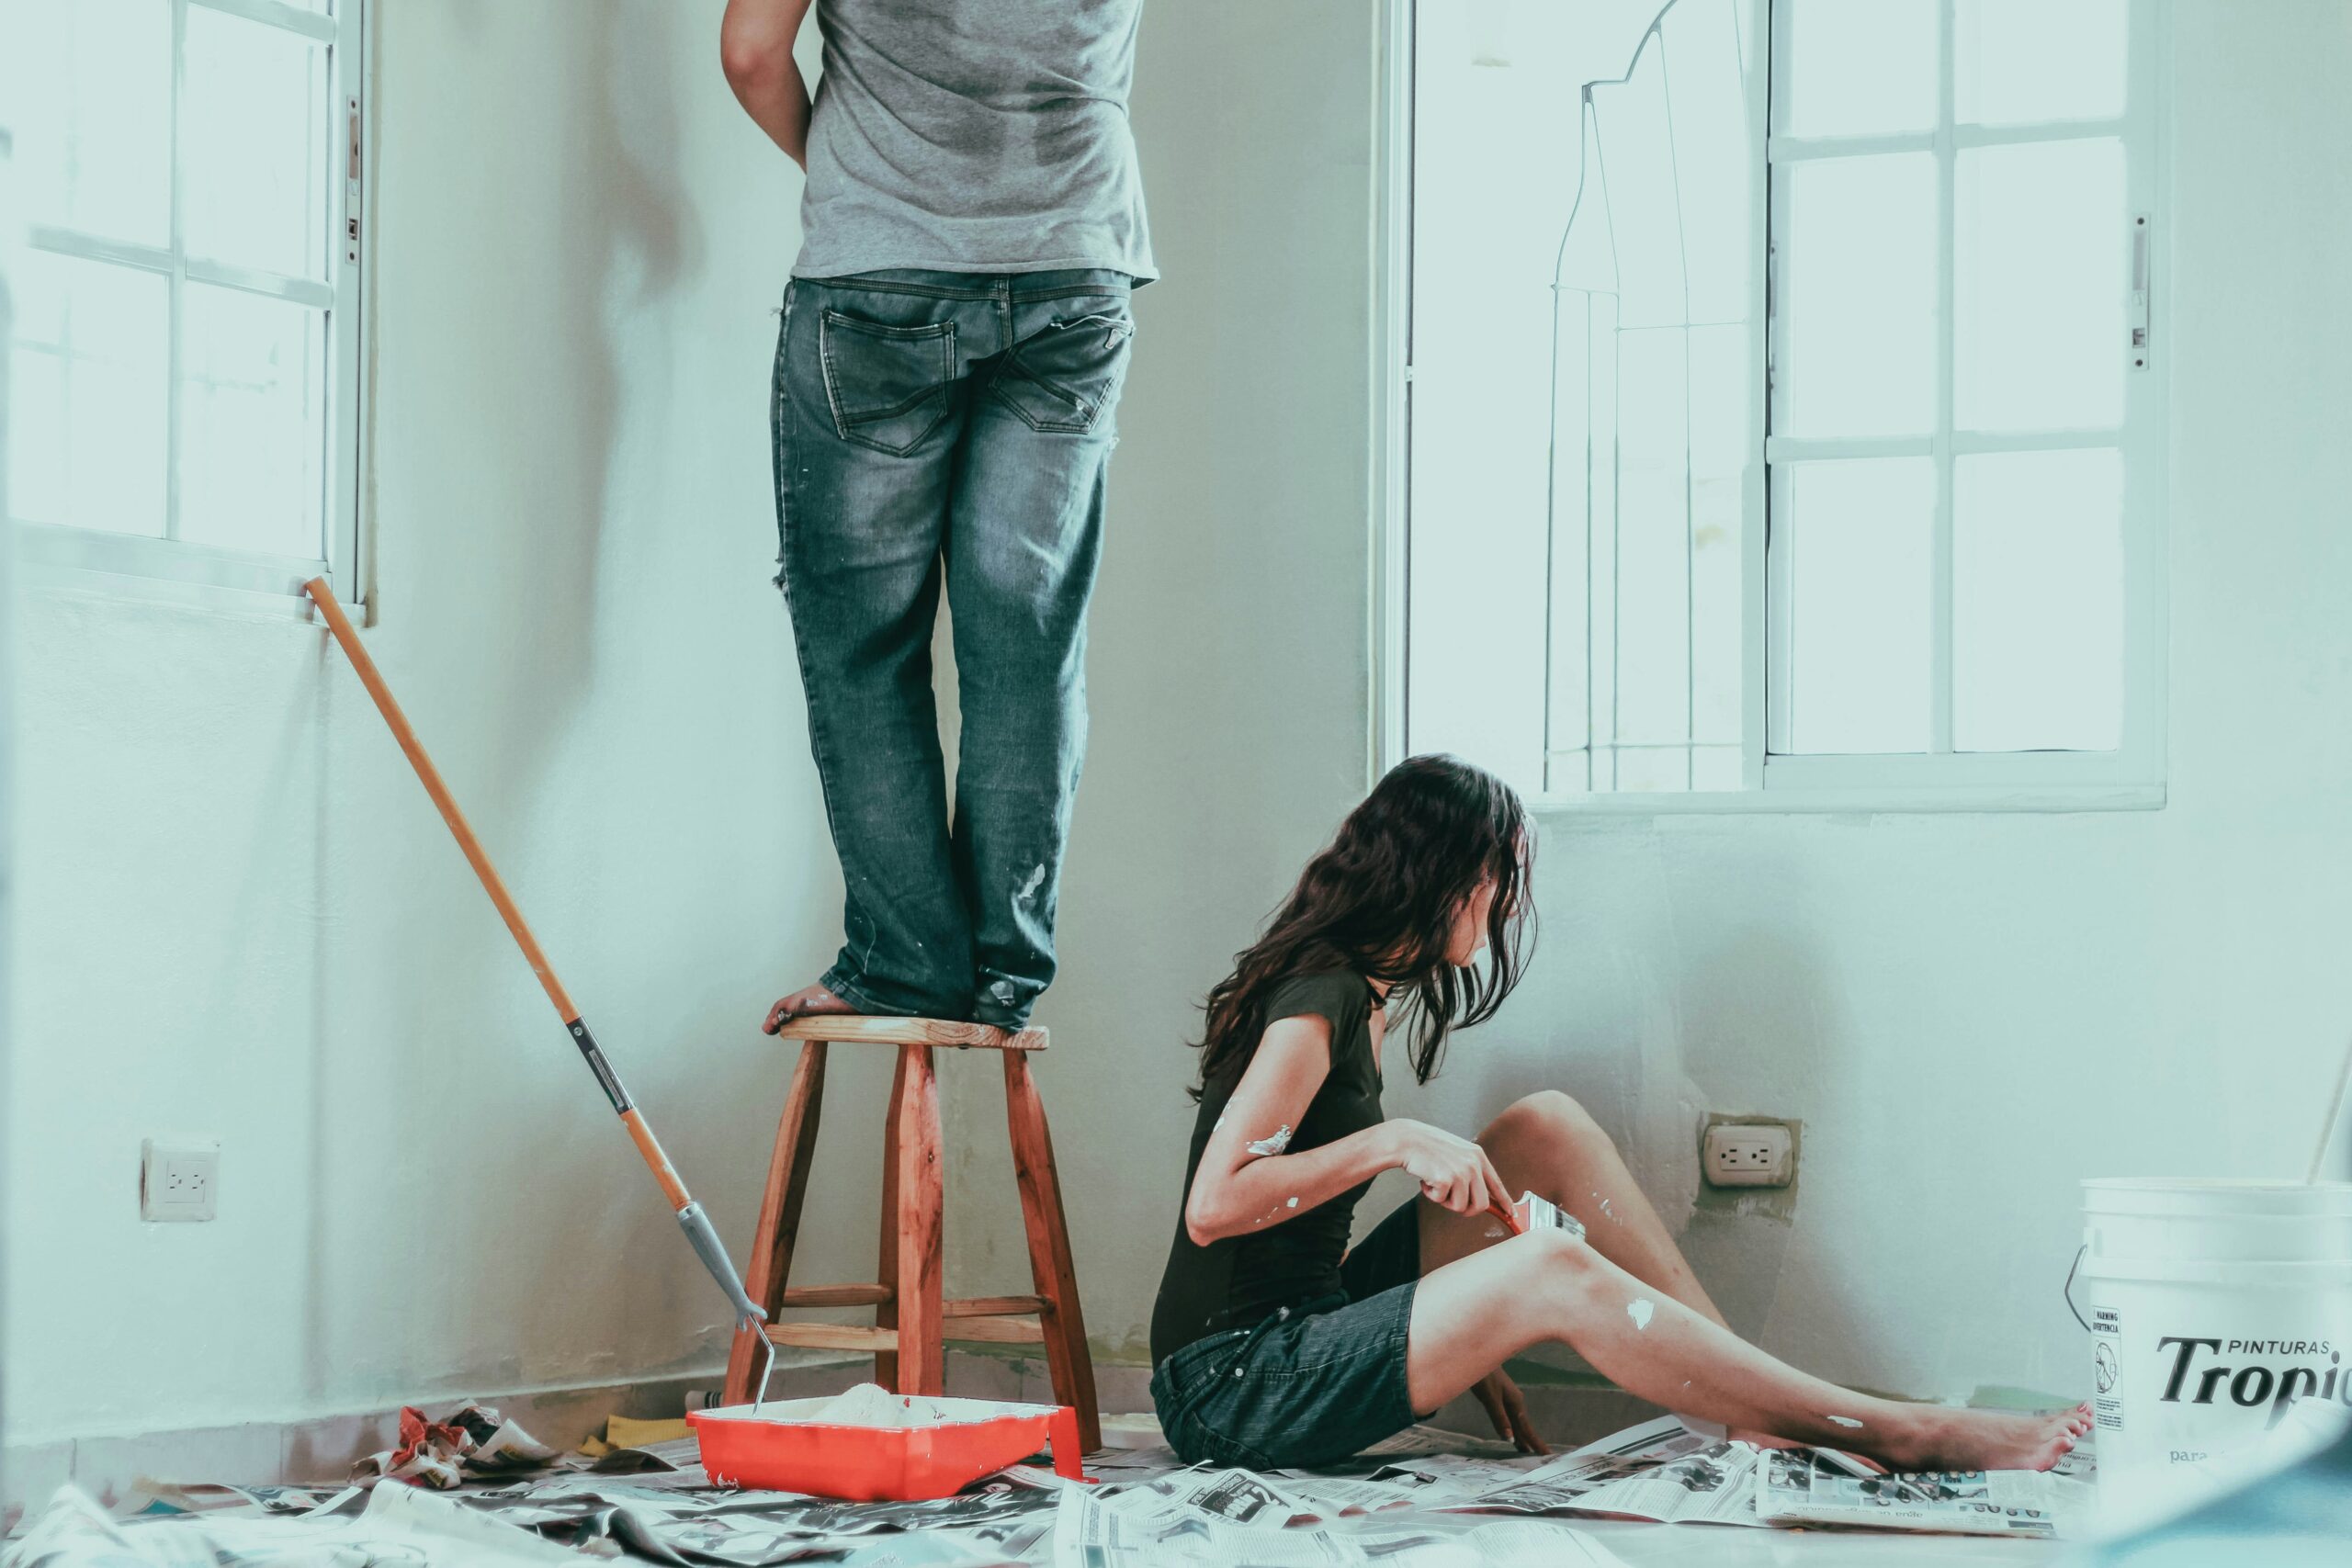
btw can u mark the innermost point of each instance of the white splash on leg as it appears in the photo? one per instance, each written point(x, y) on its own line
point(1846, 1421)
point(1292, 1204)
point(1271, 1145)
point(1640, 1311)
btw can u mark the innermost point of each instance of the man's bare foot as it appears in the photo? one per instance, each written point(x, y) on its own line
point(808, 1001)
point(1983, 1440)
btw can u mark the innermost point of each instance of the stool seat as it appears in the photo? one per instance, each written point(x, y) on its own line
point(914, 1320)
point(844, 1029)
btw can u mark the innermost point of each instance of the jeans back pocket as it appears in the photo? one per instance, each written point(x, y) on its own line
point(888, 385)
point(1067, 377)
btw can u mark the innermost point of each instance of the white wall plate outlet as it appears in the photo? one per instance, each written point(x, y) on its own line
point(1747, 1154)
point(179, 1179)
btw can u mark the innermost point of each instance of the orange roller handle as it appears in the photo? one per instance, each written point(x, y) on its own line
point(700, 1235)
point(430, 776)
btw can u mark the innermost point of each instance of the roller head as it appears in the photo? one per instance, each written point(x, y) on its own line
point(704, 1239)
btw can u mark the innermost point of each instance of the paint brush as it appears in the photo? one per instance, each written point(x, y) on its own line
point(1542, 1214)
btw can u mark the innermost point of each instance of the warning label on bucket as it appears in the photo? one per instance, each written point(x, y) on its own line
point(2106, 1354)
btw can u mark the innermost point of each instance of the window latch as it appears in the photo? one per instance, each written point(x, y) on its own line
point(2137, 315)
point(351, 201)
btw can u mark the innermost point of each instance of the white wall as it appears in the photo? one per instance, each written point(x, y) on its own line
point(1972, 1013)
point(244, 921)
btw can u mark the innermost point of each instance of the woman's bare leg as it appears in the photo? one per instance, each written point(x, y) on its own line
point(1548, 1144)
point(1471, 1315)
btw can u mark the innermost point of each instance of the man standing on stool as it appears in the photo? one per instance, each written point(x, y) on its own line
point(955, 332)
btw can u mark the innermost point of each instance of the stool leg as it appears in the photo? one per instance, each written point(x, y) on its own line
point(885, 1316)
point(796, 1143)
point(923, 1365)
point(1072, 1369)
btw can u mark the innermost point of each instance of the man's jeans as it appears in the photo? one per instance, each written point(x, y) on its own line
point(928, 426)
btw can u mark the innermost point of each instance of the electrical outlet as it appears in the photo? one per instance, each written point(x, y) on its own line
point(1748, 1154)
point(179, 1180)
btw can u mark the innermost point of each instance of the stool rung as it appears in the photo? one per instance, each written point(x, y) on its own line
point(992, 1306)
point(838, 1295)
point(994, 1329)
point(844, 1029)
point(833, 1336)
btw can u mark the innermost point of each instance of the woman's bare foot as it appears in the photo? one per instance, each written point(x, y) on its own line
point(1983, 1440)
point(808, 1001)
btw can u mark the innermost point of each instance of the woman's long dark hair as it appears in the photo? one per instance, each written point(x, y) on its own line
point(1380, 900)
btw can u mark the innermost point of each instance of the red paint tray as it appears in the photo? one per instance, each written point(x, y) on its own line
point(781, 1450)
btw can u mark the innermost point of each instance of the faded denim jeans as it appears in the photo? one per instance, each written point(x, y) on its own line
point(946, 428)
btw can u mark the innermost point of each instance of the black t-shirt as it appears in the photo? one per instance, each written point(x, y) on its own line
point(1238, 1282)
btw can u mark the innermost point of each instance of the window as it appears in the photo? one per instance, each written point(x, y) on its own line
point(184, 366)
point(1780, 408)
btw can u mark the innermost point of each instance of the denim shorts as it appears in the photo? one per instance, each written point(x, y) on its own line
point(1311, 1384)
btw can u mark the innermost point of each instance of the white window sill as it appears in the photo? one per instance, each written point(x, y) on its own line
point(133, 568)
point(1962, 798)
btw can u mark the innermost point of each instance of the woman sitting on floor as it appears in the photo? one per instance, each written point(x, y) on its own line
point(1273, 1345)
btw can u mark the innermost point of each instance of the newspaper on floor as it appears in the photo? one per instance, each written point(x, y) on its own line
point(736, 1528)
point(1092, 1531)
point(1423, 1441)
point(1427, 1482)
point(1796, 1486)
point(1230, 1497)
point(1659, 1471)
point(472, 1440)
point(397, 1525)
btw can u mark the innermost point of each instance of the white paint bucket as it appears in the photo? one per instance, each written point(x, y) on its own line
point(2213, 1306)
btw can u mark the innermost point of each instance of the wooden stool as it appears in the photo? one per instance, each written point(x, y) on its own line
point(912, 1322)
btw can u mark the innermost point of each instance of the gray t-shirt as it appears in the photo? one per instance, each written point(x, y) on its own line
point(973, 136)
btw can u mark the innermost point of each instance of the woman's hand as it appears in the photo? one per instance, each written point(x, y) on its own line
point(1452, 1171)
point(1508, 1411)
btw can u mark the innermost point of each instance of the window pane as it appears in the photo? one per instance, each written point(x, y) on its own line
point(1856, 537)
point(1860, 67)
point(2041, 271)
point(253, 119)
point(2038, 600)
point(1859, 283)
point(87, 86)
point(253, 423)
point(87, 396)
point(2019, 60)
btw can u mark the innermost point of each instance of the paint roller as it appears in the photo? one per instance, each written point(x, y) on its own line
point(700, 1235)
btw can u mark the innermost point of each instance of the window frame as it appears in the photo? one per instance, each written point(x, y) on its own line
point(186, 571)
point(2132, 777)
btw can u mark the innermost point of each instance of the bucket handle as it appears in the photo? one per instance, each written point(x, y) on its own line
point(2079, 1254)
